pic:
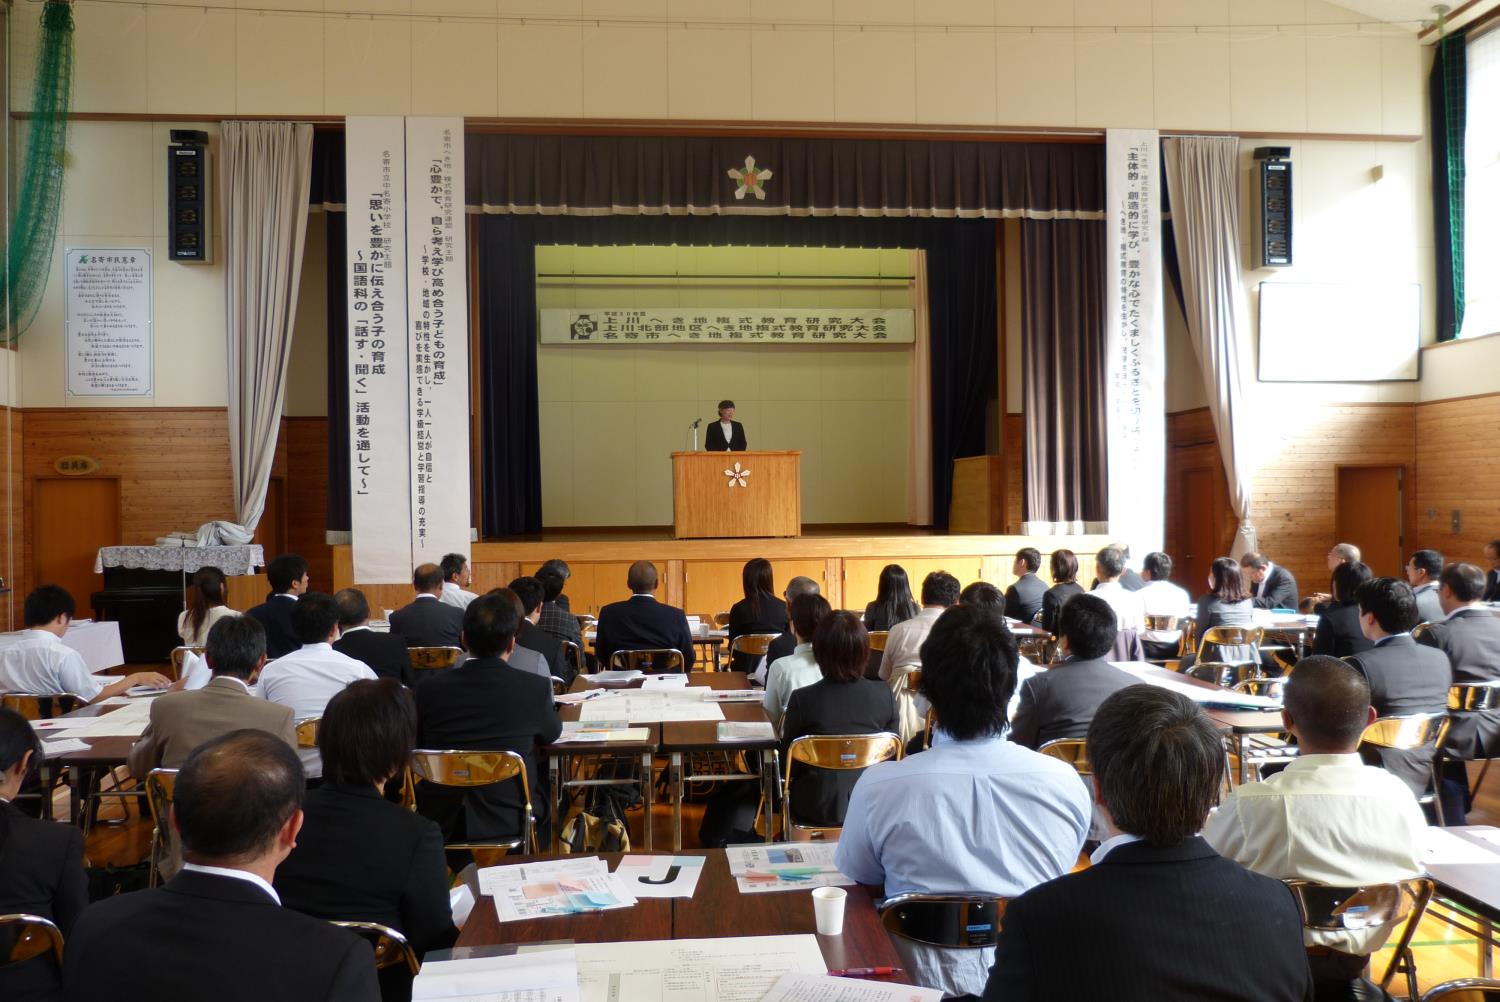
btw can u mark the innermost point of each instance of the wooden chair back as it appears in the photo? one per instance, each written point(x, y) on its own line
point(179, 658)
point(307, 732)
point(653, 661)
point(434, 658)
point(1333, 909)
point(751, 643)
point(160, 784)
point(842, 752)
point(878, 639)
point(1073, 751)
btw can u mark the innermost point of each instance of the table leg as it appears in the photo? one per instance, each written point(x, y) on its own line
point(556, 773)
point(676, 768)
point(1239, 744)
point(769, 760)
point(1486, 947)
point(646, 792)
point(75, 799)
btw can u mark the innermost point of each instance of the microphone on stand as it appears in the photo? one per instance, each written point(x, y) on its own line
point(694, 427)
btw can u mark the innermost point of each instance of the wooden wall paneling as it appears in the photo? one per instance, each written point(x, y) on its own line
point(18, 538)
point(1456, 470)
point(306, 459)
point(673, 585)
point(712, 586)
point(833, 582)
point(978, 503)
point(1200, 522)
point(245, 591)
point(862, 576)
point(1013, 428)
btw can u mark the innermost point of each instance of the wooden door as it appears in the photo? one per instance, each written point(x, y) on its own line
point(1368, 513)
point(73, 518)
point(1199, 530)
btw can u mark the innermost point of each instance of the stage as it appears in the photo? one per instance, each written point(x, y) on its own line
point(703, 575)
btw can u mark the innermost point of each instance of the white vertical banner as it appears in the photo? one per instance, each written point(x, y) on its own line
point(1135, 343)
point(380, 454)
point(437, 293)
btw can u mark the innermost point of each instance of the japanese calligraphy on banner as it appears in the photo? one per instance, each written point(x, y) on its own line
point(726, 325)
point(1135, 339)
point(438, 310)
point(108, 321)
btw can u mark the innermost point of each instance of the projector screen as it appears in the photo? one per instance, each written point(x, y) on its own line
point(1316, 333)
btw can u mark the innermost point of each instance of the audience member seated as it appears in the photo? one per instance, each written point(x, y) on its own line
point(785, 644)
point(983, 595)
point(893, 604)
point(760, 611)
point(843, 701)
point(1023, 599)
point(903, 649)
point(1129, 579)
point(1470, 635)
point(1327, 817)
point(641, 622)
point(289, 580)
point(1404, 677)
point(1061, 701)
point(205, 606)
point(1130, 612)
point(800, 668)
point(1422, 572)
point(385, 653)
point(1272, 587)
point(457, 576)
point(486, 705)
point(522, 658)
point(428, 621)
point(310, 676)
point(554, 618)
point(1492, 577)
point(41, 865)
point(217, 929)
point(1161, 597)
point(1159, 914)
point(359, 857)
point(40, 663)
point(1338, 633)
point(1342, 553)
point(974, 813)
point(533, 638)
point(1226, 604)
point(1064, 568)
point(181, 721)
point(563, 571)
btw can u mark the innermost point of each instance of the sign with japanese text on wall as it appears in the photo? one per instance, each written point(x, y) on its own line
point(408, 348)
point(108, 322)
point(726, 325)
point(1135, 349)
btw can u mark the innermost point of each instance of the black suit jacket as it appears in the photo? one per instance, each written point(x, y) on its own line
point(385, 653)
point(1338, 631)
point(41, 873)
point(534, 638)
point(1471, 639)
point(1023, 600)
point(1160, 922)
point(427, 622)
point(743, 619)
point(1060, 702)
point(203, 936)
point(485, 705)
point(275, 614)
point(642, 623)
point(713, 439)
point(1405, 677)
point(821, 796)
point(1492, 586)
point(1052, 603)
point(1281, 590)
point(360, 857)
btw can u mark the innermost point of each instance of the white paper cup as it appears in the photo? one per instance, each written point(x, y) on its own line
point(828, 910)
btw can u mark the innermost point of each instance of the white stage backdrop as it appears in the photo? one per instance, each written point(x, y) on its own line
point(1135, 347)
point(408, 347)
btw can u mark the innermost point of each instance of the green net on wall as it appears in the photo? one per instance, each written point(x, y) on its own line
point(38, 206)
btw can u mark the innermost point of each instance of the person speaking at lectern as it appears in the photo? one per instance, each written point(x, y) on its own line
point(726, 434)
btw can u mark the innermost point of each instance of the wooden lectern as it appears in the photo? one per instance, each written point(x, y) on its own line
point(728, 494)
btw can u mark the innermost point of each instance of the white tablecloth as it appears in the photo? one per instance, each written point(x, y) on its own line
point(98, 642)
point(232, 560)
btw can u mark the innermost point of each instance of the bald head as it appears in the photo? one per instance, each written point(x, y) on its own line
point(642, 577)
point(1327, 704)
point(427, 579)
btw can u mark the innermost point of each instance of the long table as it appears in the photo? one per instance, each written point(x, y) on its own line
point(716, 909)
point(104, 752)
point(1474, 888)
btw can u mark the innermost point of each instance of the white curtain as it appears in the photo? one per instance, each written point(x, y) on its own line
point(266, 169)
point(1202, 187)
point(919, 402)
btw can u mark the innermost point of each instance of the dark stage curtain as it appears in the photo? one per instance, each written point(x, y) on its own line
point(1062, 311)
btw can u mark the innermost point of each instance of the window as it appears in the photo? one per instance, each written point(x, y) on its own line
point(1482, 188)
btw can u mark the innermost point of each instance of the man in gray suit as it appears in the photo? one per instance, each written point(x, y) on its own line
point(1060, 702)
point(181, 721)
point(1422, 572)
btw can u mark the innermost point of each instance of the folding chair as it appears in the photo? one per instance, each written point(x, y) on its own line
point(1464, 990)
point(1474, 697)
point(652, 661)
point(434, 658)
point(834, 752)
point(955, 921)
point(160, 784)
point(1231, 644)
point(179, 658)
point(753, 644)
point(391, 948)
point(1409, 733)
point(307, 732)
point(1073, 751)
point(23, 937)
point(470, 769)
point(1334, 909)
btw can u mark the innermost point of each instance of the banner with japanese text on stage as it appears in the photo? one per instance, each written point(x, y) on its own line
point(408, 349)
point(726, 325)
point(1135, 349)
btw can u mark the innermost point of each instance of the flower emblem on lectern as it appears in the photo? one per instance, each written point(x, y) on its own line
point(737, 476)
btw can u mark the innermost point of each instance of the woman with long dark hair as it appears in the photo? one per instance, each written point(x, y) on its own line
point(41, 864)
point(1338, 633)
point(760, 611)
point(893, 604)
point(206, 598)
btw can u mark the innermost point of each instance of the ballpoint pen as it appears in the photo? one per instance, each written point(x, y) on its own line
point(866, 972)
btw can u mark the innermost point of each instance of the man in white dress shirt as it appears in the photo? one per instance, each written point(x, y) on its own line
point(1161, 597)
point(1130, 612)
point(1327, 817)
point(39, 662)
point(457, 576)
point(903, 650)
point(308, 678)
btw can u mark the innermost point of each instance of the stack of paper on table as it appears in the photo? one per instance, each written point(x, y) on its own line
point(784, 866)
point(552, 887)
point(577, 732)
point(545, 975)
point(796, 986)
point(733, 969)
point(649, 707)
point(129, 720)
point(667, 682)
point(1225, 699)
point(746, 730)
point(621, 675)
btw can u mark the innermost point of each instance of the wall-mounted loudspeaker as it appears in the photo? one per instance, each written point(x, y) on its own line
point(1272, 203)
point(189, 203)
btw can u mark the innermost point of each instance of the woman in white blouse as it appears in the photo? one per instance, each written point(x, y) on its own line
point(205, 607)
